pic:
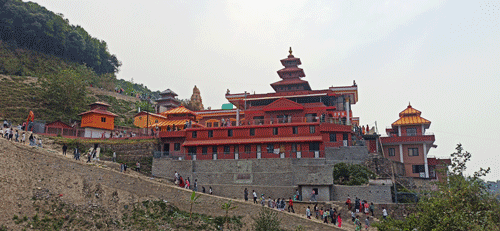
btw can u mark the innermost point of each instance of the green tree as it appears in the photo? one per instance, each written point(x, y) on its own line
point(64, 93)
point(461, 203)
point(145, 106)
point(351, 174)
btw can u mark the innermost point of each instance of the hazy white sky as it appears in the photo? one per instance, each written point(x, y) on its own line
point(442, 56)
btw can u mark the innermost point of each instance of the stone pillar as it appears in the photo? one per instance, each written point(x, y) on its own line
point(399, 130)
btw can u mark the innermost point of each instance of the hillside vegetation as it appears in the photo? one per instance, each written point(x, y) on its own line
point(53, 88)
point(29, 25)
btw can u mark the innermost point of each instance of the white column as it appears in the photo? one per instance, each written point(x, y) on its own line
point(347, 109)
point(425, 161)
point(401, 153)
point(423, 130)
point(399, 130)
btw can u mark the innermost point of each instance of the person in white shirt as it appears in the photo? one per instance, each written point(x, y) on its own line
point(254, 197)
point(384, 213)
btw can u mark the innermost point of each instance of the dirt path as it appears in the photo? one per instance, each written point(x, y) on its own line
point(26, 171)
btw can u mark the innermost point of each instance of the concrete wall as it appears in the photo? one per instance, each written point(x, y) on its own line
point(371, 193)
point(272, 177)
point(350, 155)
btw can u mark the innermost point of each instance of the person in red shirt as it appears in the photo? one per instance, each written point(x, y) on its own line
point(290, 205)
point(349, 203)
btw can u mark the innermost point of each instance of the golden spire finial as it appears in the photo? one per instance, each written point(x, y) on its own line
point(409, 105)
point(290, 51)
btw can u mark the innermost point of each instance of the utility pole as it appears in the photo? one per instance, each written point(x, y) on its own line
point(392, 168)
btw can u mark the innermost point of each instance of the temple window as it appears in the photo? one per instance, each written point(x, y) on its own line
point(210, 134)
point(177, 146)
point(204, 150)
point(270, 148)
point(392, 152)
point(275, 131)
point(412, 151)
point(411, 131)
point(103, 119)
point(314, 146)
point(230, 132)
point(295, 130)
point(252, 131)
point(333, 137)
point(418, 168)
point(195, 134)
point(312, 129)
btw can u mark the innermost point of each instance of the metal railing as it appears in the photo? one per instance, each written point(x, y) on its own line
point(279, 120)
point(81, 133)
point(402, 135)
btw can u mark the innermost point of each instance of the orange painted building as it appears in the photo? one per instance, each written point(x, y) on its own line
point(142, 118)
point(174, 117)
point(98, 120)
point(98, 117)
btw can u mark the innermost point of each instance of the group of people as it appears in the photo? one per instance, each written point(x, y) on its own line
point(361, 130)
point(360, 206)
point(94, 154)
point(363, 207)
point(225, 122)
point(279, 203)
point(186, 183)
point(328, 215)
point(9, 134)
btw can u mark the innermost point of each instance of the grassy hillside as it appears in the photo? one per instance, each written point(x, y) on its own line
point(23, 72)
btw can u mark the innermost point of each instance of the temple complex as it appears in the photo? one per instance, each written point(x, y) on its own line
point(294, 121)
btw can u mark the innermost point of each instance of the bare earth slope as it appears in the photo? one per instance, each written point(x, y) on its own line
point(28, 173)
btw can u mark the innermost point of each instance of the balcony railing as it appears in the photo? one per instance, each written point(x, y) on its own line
point(403, 135)
point(280, 120)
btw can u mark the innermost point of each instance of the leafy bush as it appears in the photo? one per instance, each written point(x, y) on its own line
point(267, 220)
point(351, 174)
